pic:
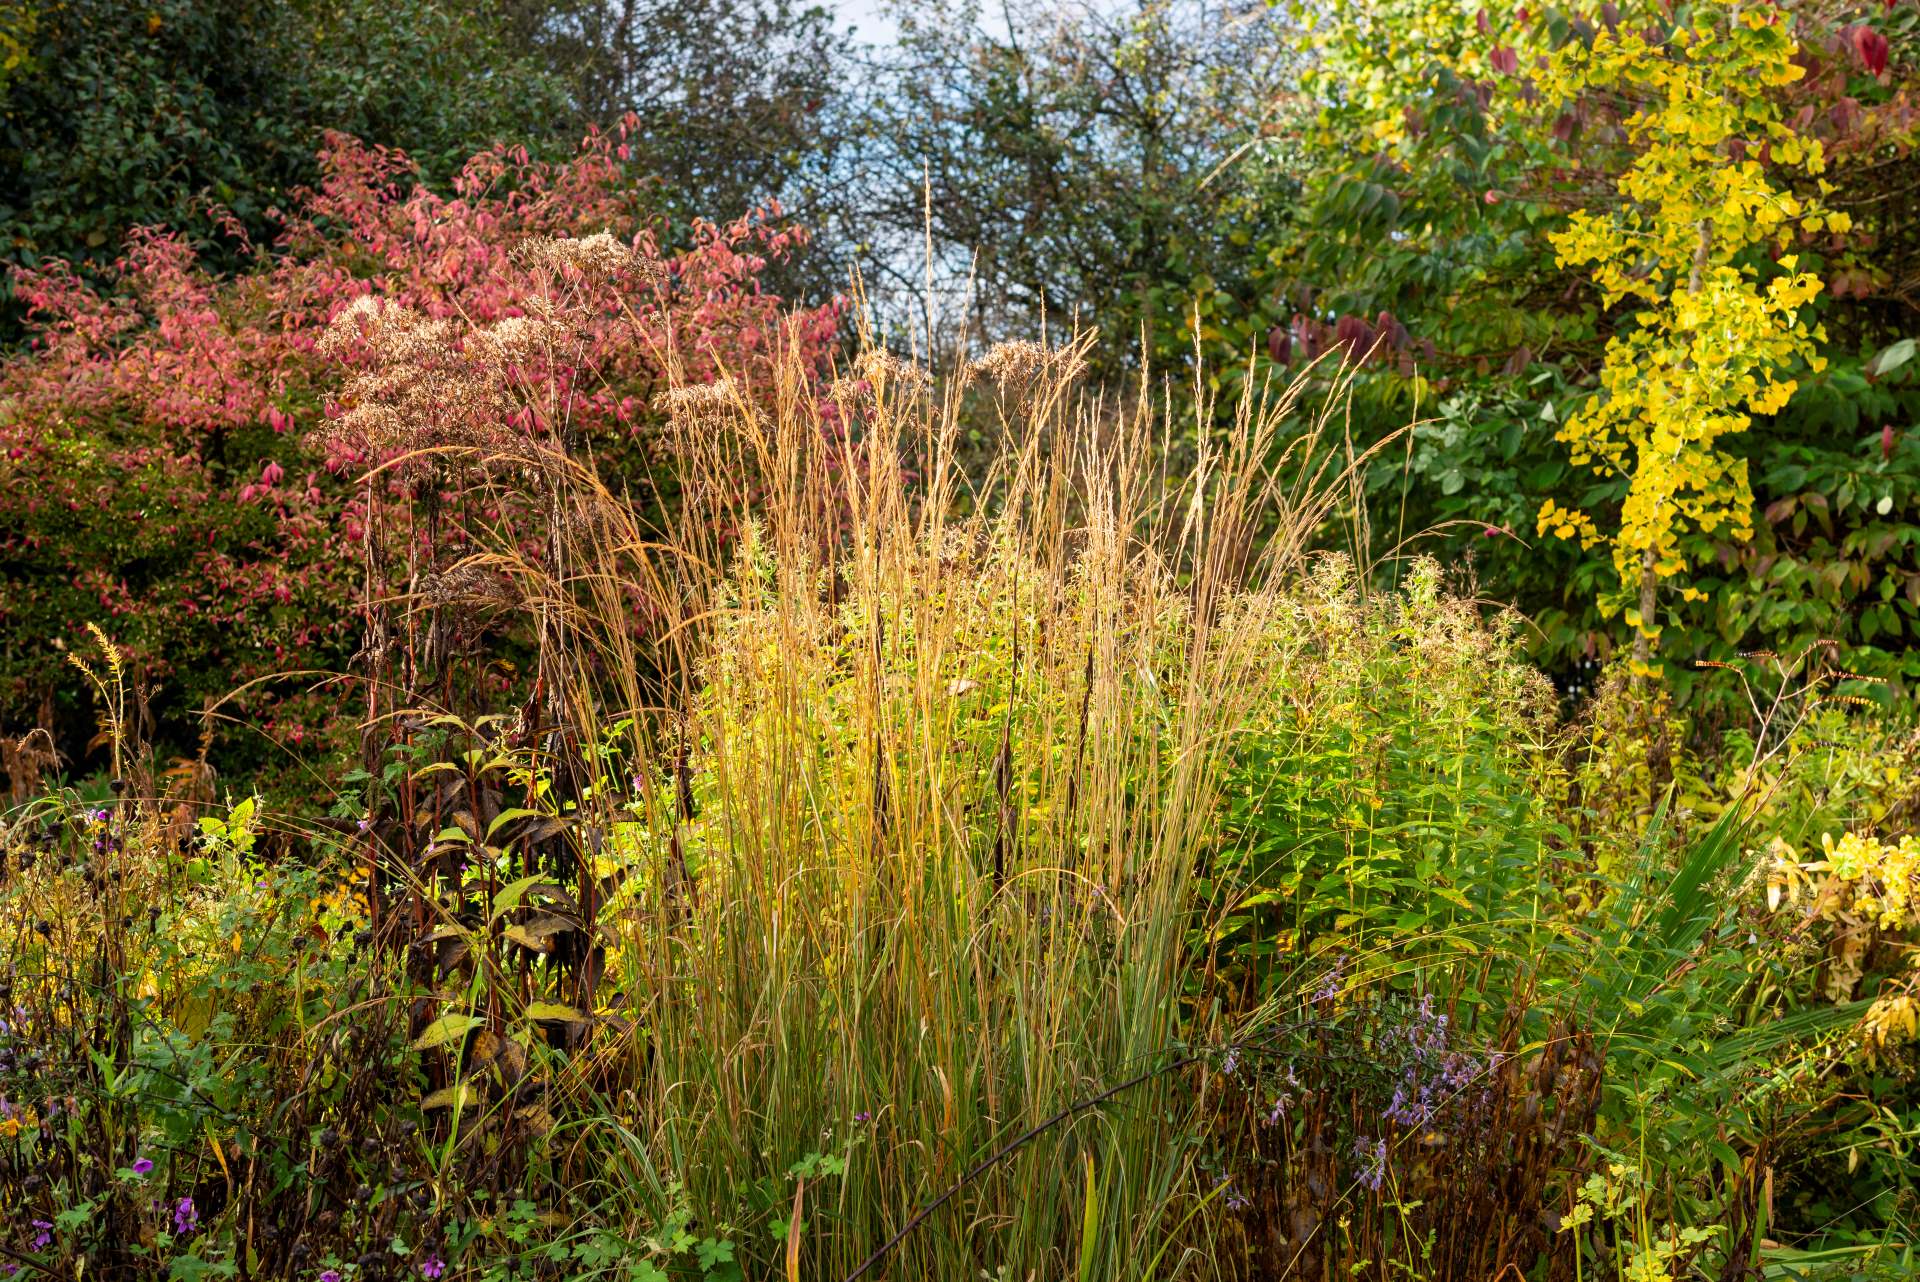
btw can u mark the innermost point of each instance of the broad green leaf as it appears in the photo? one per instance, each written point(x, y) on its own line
point(446, 1029)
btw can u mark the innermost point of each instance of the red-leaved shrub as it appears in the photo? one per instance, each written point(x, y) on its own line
point(176, 462)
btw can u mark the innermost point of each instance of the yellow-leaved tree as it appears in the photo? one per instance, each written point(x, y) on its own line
point(1697, 243)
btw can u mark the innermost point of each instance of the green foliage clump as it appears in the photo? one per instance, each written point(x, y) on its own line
point(187, 114)
point(1441, 156)
point(1398, 784)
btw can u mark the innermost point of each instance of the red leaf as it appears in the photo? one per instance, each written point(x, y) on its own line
point(1392, 332)
point(1870, 46)
point(1354, 334)
point(1507, 62)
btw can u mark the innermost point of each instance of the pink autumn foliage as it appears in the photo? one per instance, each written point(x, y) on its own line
point(159, 465)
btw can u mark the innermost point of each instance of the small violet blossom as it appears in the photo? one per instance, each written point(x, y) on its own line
point(1331, 983)
point(1374, 1154)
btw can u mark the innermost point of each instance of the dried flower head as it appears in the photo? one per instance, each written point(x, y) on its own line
point(518, 340)
point(702, 405)
point(1017, 363)
point(882, 369)
point(359, 321)
point(469, 584)
point(418, 385)
point(597, 257)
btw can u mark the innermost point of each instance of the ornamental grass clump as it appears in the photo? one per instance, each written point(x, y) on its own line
point(873, 851)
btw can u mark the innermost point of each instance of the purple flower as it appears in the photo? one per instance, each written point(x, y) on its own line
point(143, 1166)
point(1430, 1029)
point(432, 1267)
point(185, 1218)
point(1231, 1064)
point(1331, 982)
point(1412, 1104)
point(863, 1116)
point(43, 1235)
point(1459, 1071)
point(1424, 1036)
point(1374, 1154)
point(331, 1275)
point(1235, 1202)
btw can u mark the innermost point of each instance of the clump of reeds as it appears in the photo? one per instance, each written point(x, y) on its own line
point(884, 785)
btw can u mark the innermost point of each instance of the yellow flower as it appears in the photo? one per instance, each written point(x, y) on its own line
point(1891, 1021)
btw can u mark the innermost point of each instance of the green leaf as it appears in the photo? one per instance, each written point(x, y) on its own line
point(507, 816)
point(1891, 358)
point(446, 1029)
point(509, 896)
point(1089, 1223)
